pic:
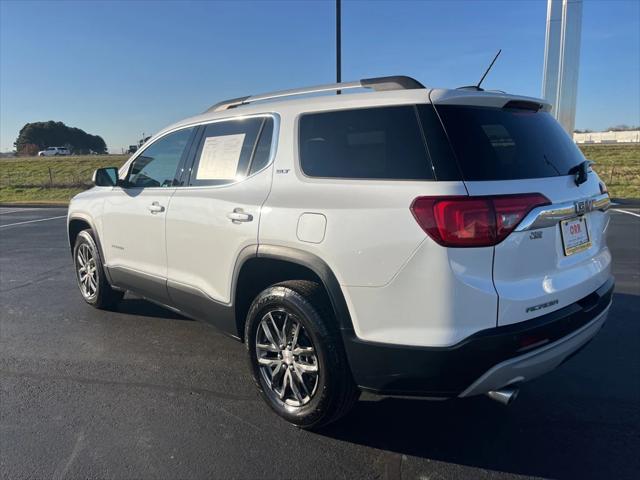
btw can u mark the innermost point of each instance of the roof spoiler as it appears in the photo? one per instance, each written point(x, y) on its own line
point(378, 84)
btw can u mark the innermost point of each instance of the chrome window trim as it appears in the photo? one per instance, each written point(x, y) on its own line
point(124, 169)
point(549, 215)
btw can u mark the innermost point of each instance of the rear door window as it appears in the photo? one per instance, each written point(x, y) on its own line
point(370, 143)
point(508, 144)
point(228, 149)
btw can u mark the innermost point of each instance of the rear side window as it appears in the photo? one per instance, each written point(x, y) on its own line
point(371, 143)
point(228, 149)
point(508, 144)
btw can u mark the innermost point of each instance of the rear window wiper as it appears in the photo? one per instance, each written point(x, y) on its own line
point(581, 171)
point(548, 162)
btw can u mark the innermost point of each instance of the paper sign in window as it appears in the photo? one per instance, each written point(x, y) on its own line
point(220, 157)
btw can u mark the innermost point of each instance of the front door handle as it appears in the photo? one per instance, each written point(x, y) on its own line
point(238, 215)
point(155, 207)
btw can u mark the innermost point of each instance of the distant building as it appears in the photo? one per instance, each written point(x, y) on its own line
point(629, 136)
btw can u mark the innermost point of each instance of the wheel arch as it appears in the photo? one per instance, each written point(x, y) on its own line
point(78, 223)
point(75, 226)
point(273, 264)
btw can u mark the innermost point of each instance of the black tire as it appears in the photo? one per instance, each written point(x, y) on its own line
point(101, 296)
point(334, 391)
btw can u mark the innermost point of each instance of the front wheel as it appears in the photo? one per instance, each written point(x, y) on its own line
point(296, 355)
point(92, 281)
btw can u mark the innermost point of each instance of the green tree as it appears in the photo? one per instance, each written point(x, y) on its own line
point(57, 134)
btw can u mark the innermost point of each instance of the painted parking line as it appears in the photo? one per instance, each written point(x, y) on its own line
point(32, 221)
point(625, 211)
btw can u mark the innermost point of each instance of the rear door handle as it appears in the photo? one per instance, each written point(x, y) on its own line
point(238, 215)
point(155, 207)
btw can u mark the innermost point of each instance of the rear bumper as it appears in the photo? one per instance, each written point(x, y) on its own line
point(485, 361)
point(542, 360)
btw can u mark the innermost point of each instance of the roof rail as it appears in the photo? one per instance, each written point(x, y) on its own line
point(398, 82)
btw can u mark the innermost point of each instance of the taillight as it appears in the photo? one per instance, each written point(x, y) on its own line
point(473, 221)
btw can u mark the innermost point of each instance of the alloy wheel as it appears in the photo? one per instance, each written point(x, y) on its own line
point(287, 358)
point(87, 271)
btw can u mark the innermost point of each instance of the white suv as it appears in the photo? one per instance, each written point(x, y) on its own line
point(403, 241)
point(54, 151)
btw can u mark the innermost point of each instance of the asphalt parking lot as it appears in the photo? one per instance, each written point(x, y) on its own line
point(145, 393)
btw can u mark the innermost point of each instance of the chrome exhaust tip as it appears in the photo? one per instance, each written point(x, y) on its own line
point(505, 396)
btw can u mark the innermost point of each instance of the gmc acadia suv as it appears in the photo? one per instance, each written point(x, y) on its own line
point(403, 241)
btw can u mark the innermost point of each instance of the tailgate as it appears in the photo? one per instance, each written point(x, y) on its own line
point(537, 269)
point(557, 254)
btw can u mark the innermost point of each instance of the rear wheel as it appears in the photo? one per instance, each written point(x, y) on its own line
point(92, 281)
point(296, 355)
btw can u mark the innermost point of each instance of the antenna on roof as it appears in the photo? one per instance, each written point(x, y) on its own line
point(477, 87)
point(487, 71)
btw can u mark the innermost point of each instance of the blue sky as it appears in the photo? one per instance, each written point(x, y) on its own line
point(120, 68)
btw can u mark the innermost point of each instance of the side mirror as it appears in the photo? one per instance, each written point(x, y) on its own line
point(106, 177)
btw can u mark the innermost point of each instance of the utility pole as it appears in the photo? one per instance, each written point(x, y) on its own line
point(338, 43)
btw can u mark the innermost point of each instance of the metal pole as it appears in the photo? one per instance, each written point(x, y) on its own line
point(338, 44)
point(562, 59)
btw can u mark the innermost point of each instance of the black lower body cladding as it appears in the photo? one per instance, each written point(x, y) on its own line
point(447, 371)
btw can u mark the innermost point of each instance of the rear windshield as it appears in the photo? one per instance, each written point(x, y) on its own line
point(373, 143)
point(508, 144)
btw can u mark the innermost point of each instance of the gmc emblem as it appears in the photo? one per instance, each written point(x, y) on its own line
point(583, 206)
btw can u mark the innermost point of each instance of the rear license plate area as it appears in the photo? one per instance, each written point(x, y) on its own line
point(575, 235)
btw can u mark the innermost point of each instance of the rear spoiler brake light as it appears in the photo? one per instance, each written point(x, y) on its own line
point(523, 105)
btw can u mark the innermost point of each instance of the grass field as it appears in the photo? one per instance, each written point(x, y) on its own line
point(56, 180)
point(618, 166)
point(50, 179)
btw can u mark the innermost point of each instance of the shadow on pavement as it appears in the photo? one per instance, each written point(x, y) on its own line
point(580, 421)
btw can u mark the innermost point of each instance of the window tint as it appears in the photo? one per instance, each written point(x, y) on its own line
point(225, 150)
point(506, 144)
point(157, 165)
point(263, 148)
point(375, 143)
point(444, 162)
